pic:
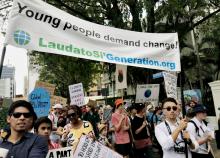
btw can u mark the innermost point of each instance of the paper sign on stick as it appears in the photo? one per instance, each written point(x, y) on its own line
point(77, 94)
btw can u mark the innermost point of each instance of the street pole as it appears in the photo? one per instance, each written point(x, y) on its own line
point(2, 59)
point(198, 60)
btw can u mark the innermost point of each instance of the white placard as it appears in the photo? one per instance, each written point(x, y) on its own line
point(66, 152)
point(170, 85)
point(147, 92)
point(36, 25)
point(77, 94)
point(3, 152)
point(89, 148)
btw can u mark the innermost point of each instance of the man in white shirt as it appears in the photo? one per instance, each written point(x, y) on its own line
point(171, 134)
point(198, 128)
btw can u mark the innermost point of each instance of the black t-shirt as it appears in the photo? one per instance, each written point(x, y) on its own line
point(135, 124)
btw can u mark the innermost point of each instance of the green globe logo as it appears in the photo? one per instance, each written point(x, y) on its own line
point(22, 38)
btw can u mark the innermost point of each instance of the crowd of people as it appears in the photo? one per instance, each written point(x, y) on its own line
point(140, 130)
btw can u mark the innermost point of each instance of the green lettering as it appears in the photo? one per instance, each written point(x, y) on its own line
point(52, 45)
point(41, 43)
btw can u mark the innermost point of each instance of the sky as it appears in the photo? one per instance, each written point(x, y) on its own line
point(16, 57)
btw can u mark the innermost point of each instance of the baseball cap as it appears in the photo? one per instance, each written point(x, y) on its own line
point(118, 102)
point(199, 108)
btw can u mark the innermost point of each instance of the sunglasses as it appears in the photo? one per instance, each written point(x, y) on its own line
point(18, 114)
point(173, 107)
point(71, 115)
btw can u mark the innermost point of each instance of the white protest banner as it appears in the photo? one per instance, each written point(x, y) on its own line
point(77, 94)
point(148, 93)
point(170, 84)
point(36, 25)
point(66, 152)
point(89, 148)
point(121, 77)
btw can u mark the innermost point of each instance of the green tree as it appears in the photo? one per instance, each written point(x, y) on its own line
point(64, 71)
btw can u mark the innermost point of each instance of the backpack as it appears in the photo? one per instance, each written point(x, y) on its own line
point(197, 128)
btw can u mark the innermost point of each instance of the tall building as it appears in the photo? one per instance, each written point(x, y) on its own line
point(7, 82)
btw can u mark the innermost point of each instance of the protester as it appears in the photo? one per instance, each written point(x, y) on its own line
point(54, 116)
point(198, 128)
point(132, 112)
point(171, 134)
point(77, 127)
point(92, 116)
point(189, 108)
point(20, 142)
point(103, 132)
point(142, 141)
point(121, 126)
point(43, 126)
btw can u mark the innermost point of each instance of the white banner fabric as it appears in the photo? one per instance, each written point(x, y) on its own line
point(170, 85)
point(87, 147)
point(147, 93)
point(36, 25)
point(121, 77)
point(76, 94)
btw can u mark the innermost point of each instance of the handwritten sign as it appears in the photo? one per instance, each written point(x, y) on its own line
point(40, 100)
point(66, 152)
point(170, 85)
point(107, 114)
point(89, 148)
point(77, 94)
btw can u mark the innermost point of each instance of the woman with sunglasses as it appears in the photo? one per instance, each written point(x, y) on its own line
point(171, 134)
point(76, 128)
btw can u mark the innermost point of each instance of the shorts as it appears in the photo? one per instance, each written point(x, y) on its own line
point(123, 149)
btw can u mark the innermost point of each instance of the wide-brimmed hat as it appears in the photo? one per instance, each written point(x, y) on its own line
point(101, 126)
point(199, 108)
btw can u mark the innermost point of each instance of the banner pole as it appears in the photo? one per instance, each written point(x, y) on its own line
point(2, 59)
point(182, 94)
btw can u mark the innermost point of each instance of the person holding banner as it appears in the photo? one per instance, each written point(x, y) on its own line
point(43, 126)
point(142, 140)
point(121, 125)
point(77, 127)
point(171, 134)
point(20, 142)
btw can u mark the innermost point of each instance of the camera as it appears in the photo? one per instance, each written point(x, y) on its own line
point(179, 149)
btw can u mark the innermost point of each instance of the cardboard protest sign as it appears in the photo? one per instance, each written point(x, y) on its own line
point(49, 87)
point(40, 100)
point(89, 148)
point(147, 93)
point(66, 152)
point(58, 99)
point(77, 94)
